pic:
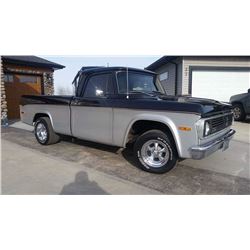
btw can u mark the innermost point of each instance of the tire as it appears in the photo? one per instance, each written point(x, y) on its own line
point(239, 113)
point(155, 158)
point(47, 136)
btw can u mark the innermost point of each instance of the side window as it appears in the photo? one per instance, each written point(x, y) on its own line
point(98, 86)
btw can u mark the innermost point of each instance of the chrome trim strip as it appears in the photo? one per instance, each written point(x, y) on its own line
point(216, 116)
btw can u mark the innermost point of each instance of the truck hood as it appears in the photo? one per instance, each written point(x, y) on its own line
point(201, 106)
point(238, 97)
point(207, 106)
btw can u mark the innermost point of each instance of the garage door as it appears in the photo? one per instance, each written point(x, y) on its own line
point(219, 85)
point(17, 85)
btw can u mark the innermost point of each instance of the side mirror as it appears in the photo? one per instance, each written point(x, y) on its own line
point(99, 92)
point(248, 91)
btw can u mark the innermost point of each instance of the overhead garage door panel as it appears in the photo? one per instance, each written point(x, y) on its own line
point(219, 85)
point(18, 85)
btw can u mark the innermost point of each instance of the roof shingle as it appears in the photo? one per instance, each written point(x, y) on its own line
point(32, 61)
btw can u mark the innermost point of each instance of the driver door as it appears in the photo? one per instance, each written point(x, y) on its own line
point(91, 118)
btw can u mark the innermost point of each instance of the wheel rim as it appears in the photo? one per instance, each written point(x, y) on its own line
point(237, 112)
point(155, 153)
point(41, 132)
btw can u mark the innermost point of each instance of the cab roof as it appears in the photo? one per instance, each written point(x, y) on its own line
point(97, 69)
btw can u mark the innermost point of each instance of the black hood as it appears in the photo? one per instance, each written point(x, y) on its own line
point(201, 106)
point(207, 106)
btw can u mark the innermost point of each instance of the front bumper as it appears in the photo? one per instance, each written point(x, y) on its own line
point(200, 152)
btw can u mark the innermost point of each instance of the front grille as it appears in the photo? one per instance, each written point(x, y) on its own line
point(220, 123)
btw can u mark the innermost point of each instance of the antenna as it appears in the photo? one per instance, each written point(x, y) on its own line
point(127, 85)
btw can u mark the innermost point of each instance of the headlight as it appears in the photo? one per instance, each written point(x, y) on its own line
point(207, 129)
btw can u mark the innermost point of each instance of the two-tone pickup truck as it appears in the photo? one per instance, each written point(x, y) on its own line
point(118, 105)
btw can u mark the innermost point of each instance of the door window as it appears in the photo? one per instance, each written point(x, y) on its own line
point(98, 86)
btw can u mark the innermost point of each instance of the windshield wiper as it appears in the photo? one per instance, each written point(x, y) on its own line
point(157, 92)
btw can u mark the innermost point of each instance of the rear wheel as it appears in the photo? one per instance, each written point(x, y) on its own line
point(239, 113)
point(44, 132)
point(155, 152)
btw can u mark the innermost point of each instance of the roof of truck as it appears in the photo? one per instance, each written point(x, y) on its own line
point(95, 69)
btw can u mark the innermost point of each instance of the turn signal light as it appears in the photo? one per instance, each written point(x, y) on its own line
point(185, 128)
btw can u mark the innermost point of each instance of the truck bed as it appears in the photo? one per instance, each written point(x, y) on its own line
point(46, 99)
point(56, 107)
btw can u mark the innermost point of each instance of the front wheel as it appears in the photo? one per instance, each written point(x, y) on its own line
point(239, 113)
point(155, 152)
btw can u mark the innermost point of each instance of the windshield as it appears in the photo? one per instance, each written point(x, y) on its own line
point(138, 82)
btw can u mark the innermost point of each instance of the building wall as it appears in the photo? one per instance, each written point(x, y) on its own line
point(179, 78)
point(214, 61)
point(46, 74)
point(47, 82)
point(3, 96)
point(169, 84)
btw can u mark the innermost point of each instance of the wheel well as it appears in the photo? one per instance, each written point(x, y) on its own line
point(141, 126)
point(38, 115)
point(237, 102)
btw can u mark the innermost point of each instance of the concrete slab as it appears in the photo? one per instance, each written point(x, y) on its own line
point(235, 160)
point(20, 125)
point(31, 172)
point(242, 131)
point(119, 163)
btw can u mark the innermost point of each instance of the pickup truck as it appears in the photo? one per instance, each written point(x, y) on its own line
point(241, 105)
point(122, 106)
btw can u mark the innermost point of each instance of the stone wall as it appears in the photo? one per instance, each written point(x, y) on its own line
point(48, 82)
point(4, 110)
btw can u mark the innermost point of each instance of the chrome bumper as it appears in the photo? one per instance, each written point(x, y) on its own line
point(200, 152)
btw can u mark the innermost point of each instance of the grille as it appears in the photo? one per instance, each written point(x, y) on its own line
point(220, 123)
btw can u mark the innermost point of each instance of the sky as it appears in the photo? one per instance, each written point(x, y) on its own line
point(63, 77)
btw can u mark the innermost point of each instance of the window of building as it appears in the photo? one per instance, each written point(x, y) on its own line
point(97, 86)
point(8, 78)
point(163, 76)
point(27, 78)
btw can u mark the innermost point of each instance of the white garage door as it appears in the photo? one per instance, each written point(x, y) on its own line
point(219, 85)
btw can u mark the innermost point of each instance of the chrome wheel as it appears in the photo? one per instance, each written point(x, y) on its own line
point(41, 132)
point(155, 153)
point(237, 112)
